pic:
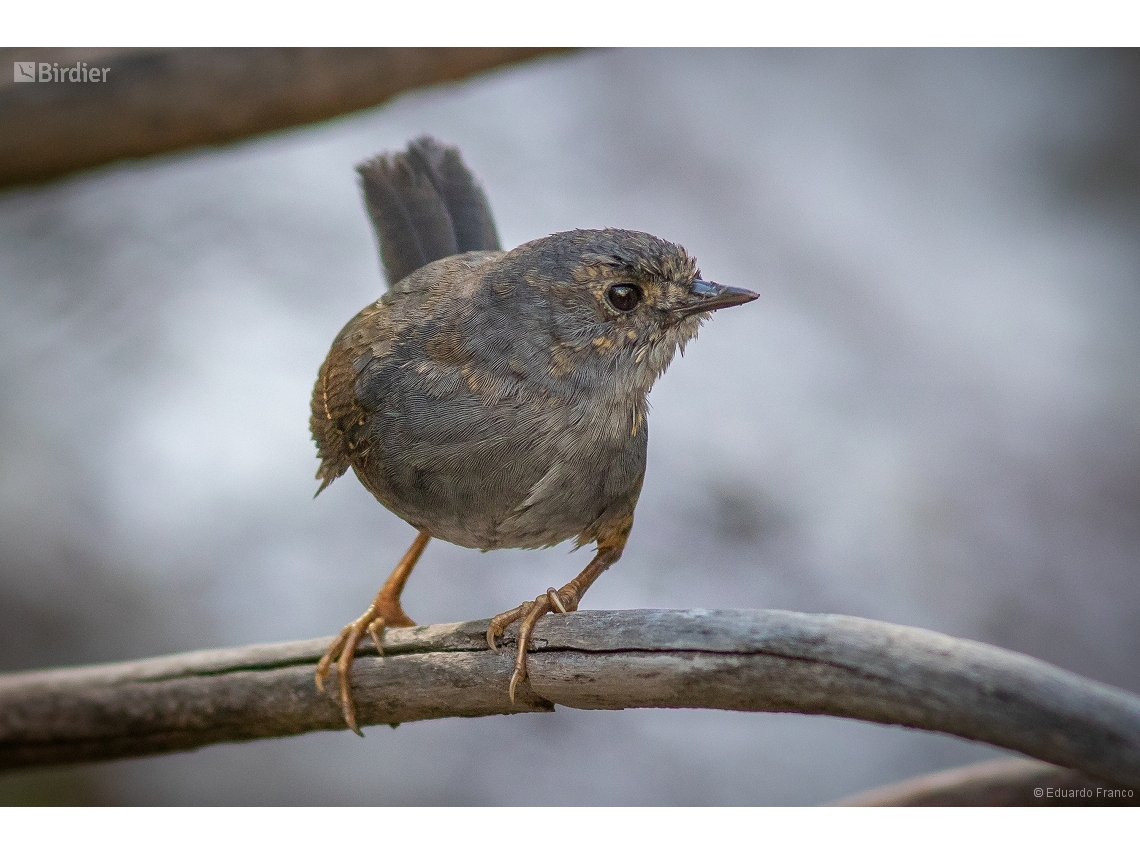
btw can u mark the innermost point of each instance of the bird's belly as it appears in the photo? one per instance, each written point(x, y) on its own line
point(514, 491)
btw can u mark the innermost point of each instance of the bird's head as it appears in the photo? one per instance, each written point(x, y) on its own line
point(620, 304)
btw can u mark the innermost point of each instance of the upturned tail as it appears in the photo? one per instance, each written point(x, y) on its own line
point(425, 205)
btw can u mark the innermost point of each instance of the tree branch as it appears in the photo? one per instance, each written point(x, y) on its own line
point(156, 101)
point(1005, 782)
point(736, 660)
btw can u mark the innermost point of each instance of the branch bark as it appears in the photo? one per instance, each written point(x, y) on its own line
point(156, 101)
point(771, 661)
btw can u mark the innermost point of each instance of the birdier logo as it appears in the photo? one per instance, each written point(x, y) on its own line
point(51, 72)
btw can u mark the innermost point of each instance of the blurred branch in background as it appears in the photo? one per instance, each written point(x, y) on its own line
point(156, 101)
point(771, 661)
point(1006, 782)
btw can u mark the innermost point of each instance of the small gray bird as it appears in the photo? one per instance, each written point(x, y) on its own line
point(498, 399)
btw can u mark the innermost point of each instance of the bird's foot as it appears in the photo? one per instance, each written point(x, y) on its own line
point(563, 600)
point(343, 651)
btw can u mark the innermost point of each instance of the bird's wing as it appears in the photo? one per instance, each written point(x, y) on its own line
point(337, 419)
point(363, 371)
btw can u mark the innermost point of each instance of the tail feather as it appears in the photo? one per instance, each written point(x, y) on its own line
point(425, 205)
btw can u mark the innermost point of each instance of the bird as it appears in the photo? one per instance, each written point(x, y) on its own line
point(498, 399)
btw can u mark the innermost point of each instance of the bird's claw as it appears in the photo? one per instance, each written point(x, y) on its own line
point(376, 629)
point(553, 595)
point(343, 652)
point(501, 622)
point(564, 601)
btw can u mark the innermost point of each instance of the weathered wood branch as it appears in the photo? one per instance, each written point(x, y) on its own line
point(735, 660)
point(156, 101)
point(1005, 782)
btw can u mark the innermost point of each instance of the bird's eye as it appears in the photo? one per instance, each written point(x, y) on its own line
point(624, 298)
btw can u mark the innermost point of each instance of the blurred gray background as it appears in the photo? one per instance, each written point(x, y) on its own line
point(931, 415)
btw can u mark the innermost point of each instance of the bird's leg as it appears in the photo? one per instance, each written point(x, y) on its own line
point(563, 600)
point(384, 611)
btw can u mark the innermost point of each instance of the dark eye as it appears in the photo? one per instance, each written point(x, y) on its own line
point(624, 298)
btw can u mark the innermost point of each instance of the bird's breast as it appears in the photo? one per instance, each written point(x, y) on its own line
point(489, 459)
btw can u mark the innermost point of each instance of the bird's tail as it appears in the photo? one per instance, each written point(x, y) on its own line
point(425, 205)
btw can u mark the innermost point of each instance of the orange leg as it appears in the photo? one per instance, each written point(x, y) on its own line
point(564, 600)
point(384, 611)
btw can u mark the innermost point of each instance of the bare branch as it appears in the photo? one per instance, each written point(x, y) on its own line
point(1005, 782)
point(736, 660)
point(155, 101)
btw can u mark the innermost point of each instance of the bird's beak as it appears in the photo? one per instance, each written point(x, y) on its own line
point(708, 296)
